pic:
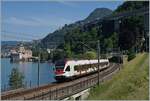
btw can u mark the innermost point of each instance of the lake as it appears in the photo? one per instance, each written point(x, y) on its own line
point(29, 70)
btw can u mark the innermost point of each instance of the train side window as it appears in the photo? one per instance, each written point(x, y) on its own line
point(68, 68)
point(75, 68)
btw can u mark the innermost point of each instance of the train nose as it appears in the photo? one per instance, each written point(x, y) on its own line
point(59, 71)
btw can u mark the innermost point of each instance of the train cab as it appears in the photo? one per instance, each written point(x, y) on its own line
point(62, 70)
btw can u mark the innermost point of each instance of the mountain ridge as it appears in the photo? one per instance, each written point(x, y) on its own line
point(58, 35)
point(99, 13)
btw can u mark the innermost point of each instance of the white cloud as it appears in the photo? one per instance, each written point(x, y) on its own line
point(18, 21)
point(68, 3)
point(37, 21)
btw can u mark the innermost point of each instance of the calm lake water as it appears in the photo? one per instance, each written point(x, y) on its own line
point(29, 70)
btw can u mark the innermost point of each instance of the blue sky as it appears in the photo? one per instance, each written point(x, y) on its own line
point(34, 20)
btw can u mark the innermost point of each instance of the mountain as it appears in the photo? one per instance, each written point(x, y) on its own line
point(98, 13)
point(95, 27)
point(52, 39)
point(80, 37)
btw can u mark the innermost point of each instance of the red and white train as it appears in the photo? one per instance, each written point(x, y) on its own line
point(68, 69)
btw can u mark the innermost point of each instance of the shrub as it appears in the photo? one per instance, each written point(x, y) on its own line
point(90, 55)
point(116, 59)
point(131, 54)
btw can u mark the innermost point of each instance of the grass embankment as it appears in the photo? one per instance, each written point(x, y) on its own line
point(130, 83)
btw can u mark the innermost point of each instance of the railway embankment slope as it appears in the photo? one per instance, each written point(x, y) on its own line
point(130, 83)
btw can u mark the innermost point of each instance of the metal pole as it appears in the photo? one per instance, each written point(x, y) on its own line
point(98, 46)
point(38, 70)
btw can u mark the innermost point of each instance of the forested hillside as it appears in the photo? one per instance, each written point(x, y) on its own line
point(78, 38)
point(58, 35)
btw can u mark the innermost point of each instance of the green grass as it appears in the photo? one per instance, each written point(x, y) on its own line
point(130, 83)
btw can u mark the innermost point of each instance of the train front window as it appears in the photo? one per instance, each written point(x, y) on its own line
point(60, 65)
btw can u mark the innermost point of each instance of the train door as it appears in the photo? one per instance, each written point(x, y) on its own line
point(71, 70)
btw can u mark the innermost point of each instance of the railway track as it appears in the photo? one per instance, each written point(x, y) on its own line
point(58, 90)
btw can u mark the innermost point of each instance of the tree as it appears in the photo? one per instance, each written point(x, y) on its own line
point(57, 55)
point(131, 54)
point(44, 55)
point(108, 43)
point(89, 55)
point(132, 27)
point(130, 30)
point(115, 38)
point(67, 50)
point(132, 5)
point(15, 79)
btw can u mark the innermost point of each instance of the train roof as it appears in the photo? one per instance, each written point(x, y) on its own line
point(82, 62)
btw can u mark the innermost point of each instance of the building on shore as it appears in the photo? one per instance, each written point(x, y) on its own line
point(21, 54)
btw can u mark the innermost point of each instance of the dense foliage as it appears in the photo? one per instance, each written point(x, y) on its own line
point(89, 55)
point(131, 32)
point(57, 55)
point(58, 35)
point(131, 54)
point(132, 28)
point(132, 5)
point(43, 53)
point(80, 37)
